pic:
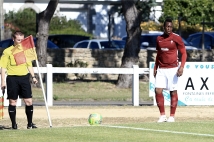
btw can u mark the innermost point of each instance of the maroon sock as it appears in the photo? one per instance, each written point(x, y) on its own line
point(160, 103)
point(174, 102)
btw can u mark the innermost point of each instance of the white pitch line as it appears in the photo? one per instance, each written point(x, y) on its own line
point(164, 131)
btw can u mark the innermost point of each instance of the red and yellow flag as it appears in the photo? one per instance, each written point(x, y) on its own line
point(25, 51)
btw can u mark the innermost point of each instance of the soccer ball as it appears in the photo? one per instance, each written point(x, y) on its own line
point(95, 119)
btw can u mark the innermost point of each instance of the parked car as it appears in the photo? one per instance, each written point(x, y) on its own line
point(66, 40)
point(100, 44)
point(196, 40)
point(188, 46)
point(148, 41)
point(8, 42)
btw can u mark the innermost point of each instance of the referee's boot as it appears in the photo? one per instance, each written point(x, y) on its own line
point(14, 127)
point(31, 126)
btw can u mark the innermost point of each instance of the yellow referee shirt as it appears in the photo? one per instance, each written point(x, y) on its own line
point(8, 62)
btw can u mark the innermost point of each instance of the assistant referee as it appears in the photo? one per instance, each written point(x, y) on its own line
point(17, 82)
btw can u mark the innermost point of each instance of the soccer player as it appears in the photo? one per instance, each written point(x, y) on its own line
point(17, 82)
point(167, 68)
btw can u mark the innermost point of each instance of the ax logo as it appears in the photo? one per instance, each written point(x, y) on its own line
point(191, 84)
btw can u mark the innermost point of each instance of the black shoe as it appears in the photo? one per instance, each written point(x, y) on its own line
point(31, 126)
point(14, 127)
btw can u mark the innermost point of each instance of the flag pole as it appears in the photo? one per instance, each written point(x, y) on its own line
point(40, 77)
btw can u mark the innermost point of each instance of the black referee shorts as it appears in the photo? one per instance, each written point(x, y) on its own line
point(18, 86)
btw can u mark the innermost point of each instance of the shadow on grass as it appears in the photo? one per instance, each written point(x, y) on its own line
point(2, 127)
point(88, 81)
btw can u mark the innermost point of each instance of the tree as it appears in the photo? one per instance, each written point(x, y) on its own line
point(14, 21)
point(132, 48)
point(191, 11)
point(58, 25)
point(44, 19)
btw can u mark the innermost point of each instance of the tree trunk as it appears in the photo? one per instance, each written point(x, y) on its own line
point(42, 35)
point(132, 48)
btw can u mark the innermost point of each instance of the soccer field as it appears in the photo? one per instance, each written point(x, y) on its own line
point(120, 124)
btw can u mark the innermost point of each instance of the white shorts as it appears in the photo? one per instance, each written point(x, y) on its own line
point(166, 78)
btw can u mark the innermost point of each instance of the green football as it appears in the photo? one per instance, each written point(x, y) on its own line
point(95, 119)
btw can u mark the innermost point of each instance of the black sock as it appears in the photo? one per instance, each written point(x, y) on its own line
point(12, 114)
point(29, 113)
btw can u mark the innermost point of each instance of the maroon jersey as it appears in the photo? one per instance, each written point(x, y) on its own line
point(167, 51)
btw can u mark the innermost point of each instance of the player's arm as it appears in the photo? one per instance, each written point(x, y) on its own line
point(182, 50)
point(183, 56)
point(156, 64)
point(156, 60)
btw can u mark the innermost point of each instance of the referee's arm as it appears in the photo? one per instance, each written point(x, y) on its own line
point(30, 69)
point(3, 83)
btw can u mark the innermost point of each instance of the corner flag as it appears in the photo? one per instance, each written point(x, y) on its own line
point(25, 51)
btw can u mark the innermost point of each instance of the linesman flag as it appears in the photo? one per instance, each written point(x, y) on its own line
point(25, 51)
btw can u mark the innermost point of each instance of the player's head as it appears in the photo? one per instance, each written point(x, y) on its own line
point(168, 26)
point(17, 36)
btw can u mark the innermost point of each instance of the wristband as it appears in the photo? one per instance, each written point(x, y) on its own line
point(33, 77)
